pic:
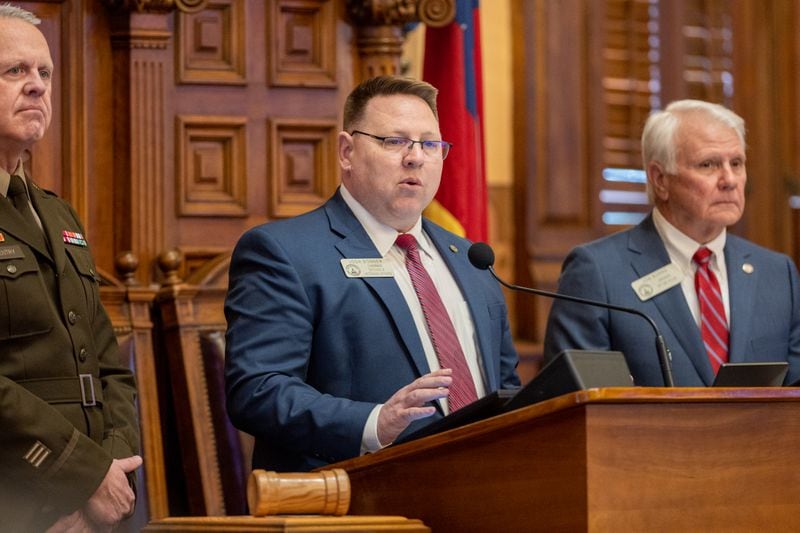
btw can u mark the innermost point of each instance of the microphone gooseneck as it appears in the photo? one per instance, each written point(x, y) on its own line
point(481, 256)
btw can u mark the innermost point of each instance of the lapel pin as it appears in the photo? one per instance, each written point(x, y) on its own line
point(747, 268)
point(454, 248)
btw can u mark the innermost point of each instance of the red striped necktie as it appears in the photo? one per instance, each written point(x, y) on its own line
point(713, 324)
point(440, 327)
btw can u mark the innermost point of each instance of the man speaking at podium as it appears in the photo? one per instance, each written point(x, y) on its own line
point(716, 298)
point(361, 320)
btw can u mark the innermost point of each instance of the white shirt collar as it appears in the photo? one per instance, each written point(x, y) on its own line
point(382, 236)
point(681, 247)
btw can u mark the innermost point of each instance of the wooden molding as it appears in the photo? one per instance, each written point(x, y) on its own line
point(143, 39)
point(211, 166)
point(204, 265)
point(286, 524)
point(156, 6)
point(139, 46)
point(302, 50)
point(210, 44)
point(128, 308)
point(379, 29)
point(397, 12)
point(302, 165)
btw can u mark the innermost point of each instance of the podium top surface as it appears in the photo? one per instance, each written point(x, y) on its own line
point(582, 398)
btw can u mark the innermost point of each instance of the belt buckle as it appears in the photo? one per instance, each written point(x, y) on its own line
point(91, 401)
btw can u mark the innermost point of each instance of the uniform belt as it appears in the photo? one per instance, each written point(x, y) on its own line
point(84, 389)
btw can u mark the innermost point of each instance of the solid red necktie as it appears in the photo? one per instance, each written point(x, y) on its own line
point(440, 327)
point(713, 324)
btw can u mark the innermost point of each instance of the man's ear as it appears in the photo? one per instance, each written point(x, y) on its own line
point(659, 180)
point(345, 150)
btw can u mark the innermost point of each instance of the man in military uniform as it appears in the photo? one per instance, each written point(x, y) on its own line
point(68, 427)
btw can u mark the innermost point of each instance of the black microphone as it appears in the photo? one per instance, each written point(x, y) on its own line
point(481, 256)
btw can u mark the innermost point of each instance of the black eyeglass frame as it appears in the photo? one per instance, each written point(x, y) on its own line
point(409, 143)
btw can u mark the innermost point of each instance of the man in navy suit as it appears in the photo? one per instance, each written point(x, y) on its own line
point(329, 355)
point(694, 155)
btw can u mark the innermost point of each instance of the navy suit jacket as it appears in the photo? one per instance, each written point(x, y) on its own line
point(310, 352)
point(764, 308)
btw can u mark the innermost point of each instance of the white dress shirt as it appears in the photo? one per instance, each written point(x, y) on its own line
point(681, 249)
point(383, 237)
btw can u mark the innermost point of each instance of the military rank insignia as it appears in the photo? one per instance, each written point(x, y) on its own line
point(2, 238)
point(73, 237)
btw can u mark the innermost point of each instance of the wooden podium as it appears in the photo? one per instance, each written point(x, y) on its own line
point(622, 459)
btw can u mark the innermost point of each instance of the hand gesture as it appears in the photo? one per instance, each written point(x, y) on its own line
point(408, 404)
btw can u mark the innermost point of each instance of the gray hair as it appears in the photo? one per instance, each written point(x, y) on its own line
point(14, 12)
point(658, 136)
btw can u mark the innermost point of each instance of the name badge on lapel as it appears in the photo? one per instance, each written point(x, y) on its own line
point(366, 268)
point(657, 281)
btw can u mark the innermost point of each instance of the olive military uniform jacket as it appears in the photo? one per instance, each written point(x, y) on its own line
point(66, 403)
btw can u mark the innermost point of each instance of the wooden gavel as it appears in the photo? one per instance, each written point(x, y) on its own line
point(325, 492)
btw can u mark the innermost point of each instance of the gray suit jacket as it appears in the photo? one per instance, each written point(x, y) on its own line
point(764, 308)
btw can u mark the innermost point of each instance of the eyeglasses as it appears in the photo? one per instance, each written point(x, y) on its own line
point(398, 144)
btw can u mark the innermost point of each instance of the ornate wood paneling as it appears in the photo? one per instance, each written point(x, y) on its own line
point(194, 259)
point(127, 69)
point(302, 50)
point(303, 171)
point(379, 29)
point(140, 75)
point(212, 44)
point(157, 5)
point(211, 175)
point(196, 85)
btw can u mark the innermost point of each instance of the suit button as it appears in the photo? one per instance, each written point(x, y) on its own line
point(82, 355)
point(72, 316)
point(11, 269)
